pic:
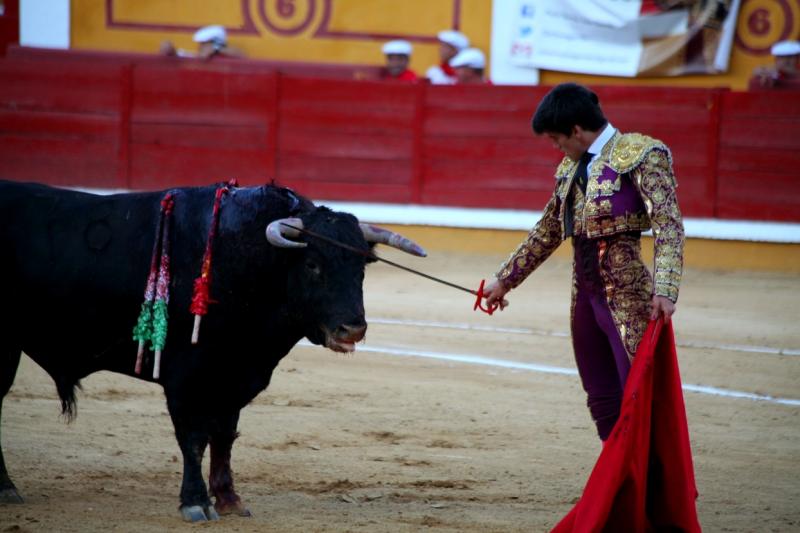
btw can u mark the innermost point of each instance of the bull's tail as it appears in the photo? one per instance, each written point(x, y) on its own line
point(69, 403)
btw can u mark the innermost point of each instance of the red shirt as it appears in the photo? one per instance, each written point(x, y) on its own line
point(406, 75)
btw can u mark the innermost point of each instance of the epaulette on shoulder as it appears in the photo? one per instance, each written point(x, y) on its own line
point(631, 149)
point(566, 168)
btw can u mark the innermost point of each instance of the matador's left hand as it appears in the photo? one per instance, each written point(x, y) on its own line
point(662, 307)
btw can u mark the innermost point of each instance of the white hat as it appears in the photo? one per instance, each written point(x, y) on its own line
point(397, 47)
point(786, 48)
point(456, 39)
point(213, 33)
point(469, 57)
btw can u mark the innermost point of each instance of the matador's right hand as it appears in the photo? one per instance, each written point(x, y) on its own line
point(494, 293)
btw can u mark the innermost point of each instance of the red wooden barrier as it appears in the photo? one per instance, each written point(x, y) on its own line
point(479, 149)
point(759, 160)
point(9, 24)
point(200, 125)
point(59, 123)
point(145, 122)
point(347, 140)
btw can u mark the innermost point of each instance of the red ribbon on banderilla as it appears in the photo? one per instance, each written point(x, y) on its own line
point(202, 285)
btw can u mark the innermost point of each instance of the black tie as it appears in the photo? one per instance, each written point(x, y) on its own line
point(581, 175)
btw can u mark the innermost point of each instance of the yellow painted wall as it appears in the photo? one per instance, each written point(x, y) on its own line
point(141, 25)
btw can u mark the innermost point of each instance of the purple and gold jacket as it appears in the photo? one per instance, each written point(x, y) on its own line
point(630, 187)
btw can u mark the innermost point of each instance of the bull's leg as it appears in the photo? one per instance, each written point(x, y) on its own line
point(193, 439)
point(220, 478)
point(9, 360)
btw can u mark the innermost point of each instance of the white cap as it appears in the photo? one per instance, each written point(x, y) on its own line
point(213, 33)
point(397, 47)
point(469, 57)
point(454, 38)
point(786, 48)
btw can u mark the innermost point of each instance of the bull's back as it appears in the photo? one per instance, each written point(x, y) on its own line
point(68, 241)
point(77, 261)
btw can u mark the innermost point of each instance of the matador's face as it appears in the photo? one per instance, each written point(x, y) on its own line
point(571, 146)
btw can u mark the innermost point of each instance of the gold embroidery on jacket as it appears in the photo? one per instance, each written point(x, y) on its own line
point(629, 150)
point(566, 168)
point(578, 202)
point(609, 187)
point(542, 241)
point(656, 184)
point(596, 169)
point(628, 287)
point(602, 225)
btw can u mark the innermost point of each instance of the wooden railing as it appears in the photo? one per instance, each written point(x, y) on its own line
point(143, 122)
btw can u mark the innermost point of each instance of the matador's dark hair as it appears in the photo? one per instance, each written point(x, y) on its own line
point(566, 106)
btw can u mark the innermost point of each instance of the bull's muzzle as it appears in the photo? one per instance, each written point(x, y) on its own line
point(345, 337)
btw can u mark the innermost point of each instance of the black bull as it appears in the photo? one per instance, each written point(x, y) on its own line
point(74, 268)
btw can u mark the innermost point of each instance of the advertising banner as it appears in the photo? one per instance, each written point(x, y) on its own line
point(630, 38)
point(512, 23)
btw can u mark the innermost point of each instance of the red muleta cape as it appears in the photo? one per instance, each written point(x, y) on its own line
point(643, 479)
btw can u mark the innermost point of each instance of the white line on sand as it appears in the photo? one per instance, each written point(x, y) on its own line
point(549, 369)
point(548, 333)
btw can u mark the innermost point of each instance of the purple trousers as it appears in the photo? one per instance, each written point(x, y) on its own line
point(600, 355)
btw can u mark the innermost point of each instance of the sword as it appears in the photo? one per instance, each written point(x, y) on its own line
point(478, 294)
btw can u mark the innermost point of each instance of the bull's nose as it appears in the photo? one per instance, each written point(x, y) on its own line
point(353, 333)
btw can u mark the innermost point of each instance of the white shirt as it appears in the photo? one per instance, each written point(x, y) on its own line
point(599, 143)
point(438, 77)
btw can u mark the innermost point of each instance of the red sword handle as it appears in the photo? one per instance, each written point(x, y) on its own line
point(479, 301)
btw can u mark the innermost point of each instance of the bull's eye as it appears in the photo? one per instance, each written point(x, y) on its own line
point(313, 267)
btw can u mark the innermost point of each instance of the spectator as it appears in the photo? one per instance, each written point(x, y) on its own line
point(212, 41)
point(785, 74)
point(398, 55)
point(469, 65)
point(451, 42)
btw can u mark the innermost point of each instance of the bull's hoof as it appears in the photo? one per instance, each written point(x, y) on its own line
point(198, 513)
point(10, 495)
point(236, 509)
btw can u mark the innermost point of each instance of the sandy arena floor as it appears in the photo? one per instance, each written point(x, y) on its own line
point(380, 441)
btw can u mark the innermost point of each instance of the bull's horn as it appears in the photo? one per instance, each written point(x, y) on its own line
point(395, 240)
point(278, 230)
